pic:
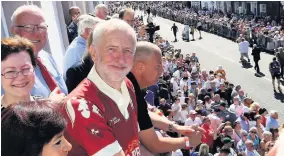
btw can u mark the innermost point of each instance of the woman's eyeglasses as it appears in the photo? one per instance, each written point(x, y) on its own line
point(14, 74)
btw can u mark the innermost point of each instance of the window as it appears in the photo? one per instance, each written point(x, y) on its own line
point(262, 8)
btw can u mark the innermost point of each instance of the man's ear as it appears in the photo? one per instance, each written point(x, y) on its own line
point(13, 30)
point(141, 66)
point(92, 51)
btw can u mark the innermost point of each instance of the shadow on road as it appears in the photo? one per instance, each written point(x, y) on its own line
point(279, 96)
point(260, 74)
point(282, 82)
point(247, 66)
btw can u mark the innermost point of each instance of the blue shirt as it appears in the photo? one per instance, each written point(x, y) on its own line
point(40, 87)
point(271, 123)
point(149, 97)
point(74, 53)
point(255, 142)
point(244, 124)
point(154, 89)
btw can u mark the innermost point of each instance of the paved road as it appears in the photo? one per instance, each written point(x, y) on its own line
point(213, 50)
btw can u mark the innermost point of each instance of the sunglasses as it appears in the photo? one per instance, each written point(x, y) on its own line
point(253, 132)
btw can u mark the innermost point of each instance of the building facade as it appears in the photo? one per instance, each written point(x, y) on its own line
point(271, 8)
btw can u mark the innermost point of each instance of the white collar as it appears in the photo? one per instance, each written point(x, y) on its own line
point(122, 98)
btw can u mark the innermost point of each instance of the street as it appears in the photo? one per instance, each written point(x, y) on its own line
point(213, 50)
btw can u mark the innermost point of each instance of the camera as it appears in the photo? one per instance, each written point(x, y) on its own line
point(151, 28)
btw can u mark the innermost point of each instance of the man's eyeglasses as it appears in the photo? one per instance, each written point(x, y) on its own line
point(31, 28)
point(14, 74)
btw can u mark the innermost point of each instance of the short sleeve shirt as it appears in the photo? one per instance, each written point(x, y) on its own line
point(143, 116)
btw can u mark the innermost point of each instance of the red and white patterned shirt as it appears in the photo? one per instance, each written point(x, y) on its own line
point(96, 125)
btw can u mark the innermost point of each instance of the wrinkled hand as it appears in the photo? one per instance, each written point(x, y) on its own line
point(56, 96)
point(194, 133)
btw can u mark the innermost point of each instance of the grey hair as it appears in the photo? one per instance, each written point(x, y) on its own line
point(248, 142)
point(144, 50)
point(252, 128)
point(26, 8)
point(204, 149)
point(98, 7)
point(272, 112)
point(112, 24)
point(267, 133)
point(87, 22)
point(244, 132)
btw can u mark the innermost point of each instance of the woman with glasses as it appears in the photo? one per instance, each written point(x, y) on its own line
point(17, 70)
point(33, 128)
point(254, 138)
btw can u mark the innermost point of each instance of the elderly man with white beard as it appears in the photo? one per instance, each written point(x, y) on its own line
point(102, 110)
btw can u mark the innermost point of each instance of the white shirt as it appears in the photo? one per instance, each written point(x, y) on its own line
point(183, 115)
point(189, 122)
point(182, 84)
point(177, 108)
point(175, 87)
point(239, 109)
point(208, 105)
point(246, 109)
point(177, 74)
point(122, 99)
point(244, 47)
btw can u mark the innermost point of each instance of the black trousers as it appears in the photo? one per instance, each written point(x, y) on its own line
point(175, 34)
point(151, 39)
point(256, 67)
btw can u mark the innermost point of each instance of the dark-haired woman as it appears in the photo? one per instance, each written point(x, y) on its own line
point(33, 128)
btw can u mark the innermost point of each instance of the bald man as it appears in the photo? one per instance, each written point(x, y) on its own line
point(145, 72)
point(72, 28)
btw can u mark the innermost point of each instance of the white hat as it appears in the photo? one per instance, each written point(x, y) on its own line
point(192, 112)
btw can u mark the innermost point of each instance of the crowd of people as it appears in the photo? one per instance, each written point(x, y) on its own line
point(197, 20)
point(108, 101)
point(266, 32)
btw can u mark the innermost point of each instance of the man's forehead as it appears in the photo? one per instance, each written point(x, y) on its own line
point(116, 31)
point(30, 16)
point(76, 10)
